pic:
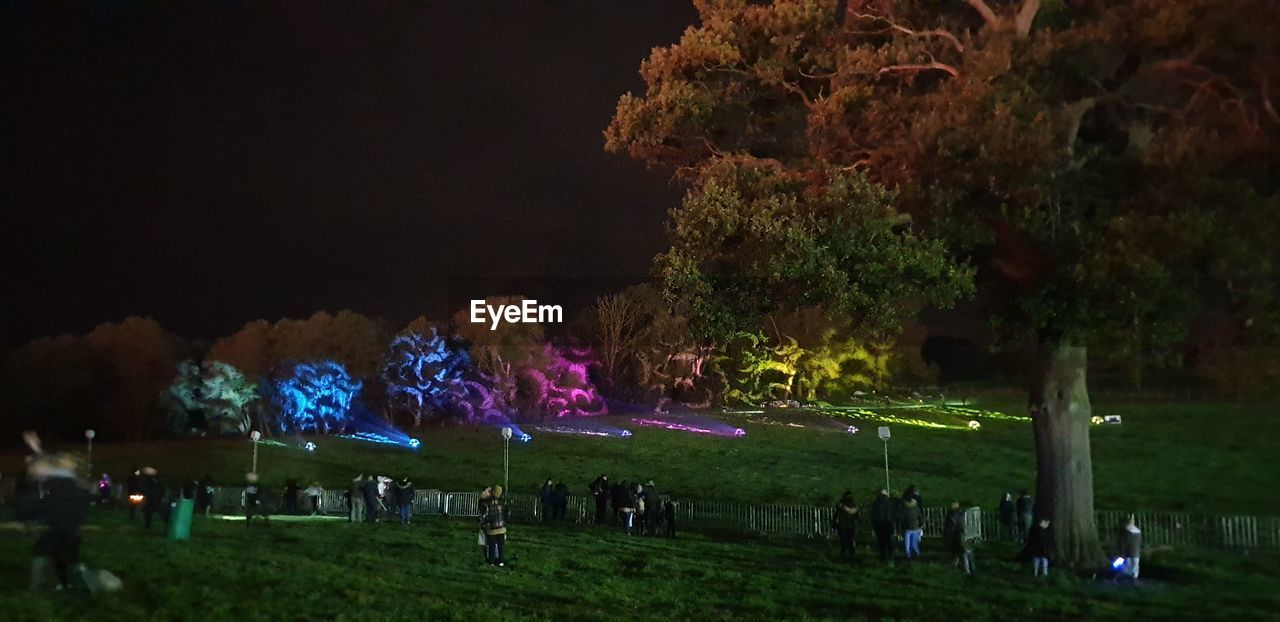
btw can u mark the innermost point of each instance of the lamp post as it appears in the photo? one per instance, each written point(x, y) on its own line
point(254, 436)
point(88, 436)
point(506, 457)
point(883, 432)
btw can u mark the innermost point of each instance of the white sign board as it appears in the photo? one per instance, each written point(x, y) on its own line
point(1112, 419)
point(883, 432)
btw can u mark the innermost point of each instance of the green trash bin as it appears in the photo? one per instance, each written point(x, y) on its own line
point(180, 521)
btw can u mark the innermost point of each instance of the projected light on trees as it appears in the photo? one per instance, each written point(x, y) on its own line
point(313, 398)
point(427, 375)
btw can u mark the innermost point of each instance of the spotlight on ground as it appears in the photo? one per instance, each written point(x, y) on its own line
point(414, 443)
point(853, 429)
point(974, 425)
point(309, 446)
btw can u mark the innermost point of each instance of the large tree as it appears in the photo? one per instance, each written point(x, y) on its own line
point(1100, 161)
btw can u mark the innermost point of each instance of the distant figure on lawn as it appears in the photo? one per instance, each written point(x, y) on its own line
point(1039, 548)
point(913, 493)
point(355, 500)
point(290, 496)
point(404, 498)
point(600, 493)
point(369, 490)
point(104, 489)
point(544, 498)
point(1026, 508)
point(314, 493)
point(133, 488)
point(625, 505)
point(1006, 514)
point(253, 501)
point(559, 501)
point(910, 519)
point(669, 517)
point(153, 501)
point(1130, 550)
point(618, 494)
point(845, 522)
point(883, 520)
point(482, 507)
point(204, 495)
point(652, 508)
point(493, 521)
point(953, 536)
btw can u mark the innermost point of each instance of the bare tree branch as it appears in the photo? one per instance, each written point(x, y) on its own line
point(936, 32)
point(1026, 16)
point(988, 15)
point(917, 67)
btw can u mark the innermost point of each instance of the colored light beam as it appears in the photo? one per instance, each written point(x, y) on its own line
point(585, 428)
point(717, 429)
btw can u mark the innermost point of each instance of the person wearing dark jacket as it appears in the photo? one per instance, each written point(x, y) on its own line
point(63, 510)
point(104, 489)
point(369, 491)
point(253, 501)
point(882, 522)
point(493, 522)
point(953, 537)
point(652, 508)
point(669, 516)
point(290, 497)
point(618, 494)
point(1006, 514)
point(154, 501)
point(204, 495)
point(626, 507)
point(911, 528)
point(545, 496)
point(1039, 547)
point(404, 499)
point(1130, 550)
point(559, 501)
point(1025, 507)
point(189, 489)
point(913, 492)
point(133, 488)
point(355, 500)
point(600, 493)
point(845, 522)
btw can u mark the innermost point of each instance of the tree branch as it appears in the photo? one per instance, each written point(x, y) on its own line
point(1026, 15)
point(915, 67)
point(936, 32)
point(988, 15)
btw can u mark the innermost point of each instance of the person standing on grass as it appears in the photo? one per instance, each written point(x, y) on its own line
point(482, 507)
point(104, 489)
point(882, 522)
point(205, 495)
point(314, 492)
point(652, 508)
point(953, 538)
point(625, 505)
point(600, 493)
point(669, 516)
point(154, 500)
point(1130, 548)
point(1026, 507)
point(845, 522)
point(404, 497)
point(253, 501)
point(914, 493)
point(1039, 548)
point(63, 509)
point(355, 500)
point(133, 488)
point(911, 528)
point(493, 521)
point(1006, 514)
point(544, 498)
point(559, 501)
point(369, 490)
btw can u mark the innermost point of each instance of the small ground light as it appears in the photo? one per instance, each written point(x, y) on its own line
point(853, 429)
point(414, 443)
point(625, 433)
point(974, 424)
point(1096, 420)
point(739, 432)
point(1119, 561)
point(310, 446)
point(524, 438)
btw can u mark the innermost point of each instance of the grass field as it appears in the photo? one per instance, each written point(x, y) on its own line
point(432, 571)
point(1194, 456)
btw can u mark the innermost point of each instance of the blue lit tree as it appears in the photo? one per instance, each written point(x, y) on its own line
point(313, 397)
point(427, 376)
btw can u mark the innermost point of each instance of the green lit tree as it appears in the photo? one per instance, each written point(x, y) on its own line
point(1100, 163)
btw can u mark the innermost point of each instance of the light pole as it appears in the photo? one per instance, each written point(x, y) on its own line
point(506, 457)
point(883, 432)
point(88, 436)
point(254, 436)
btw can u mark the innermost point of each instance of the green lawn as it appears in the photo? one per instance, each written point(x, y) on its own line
point(1192, 456)
point(432, 570)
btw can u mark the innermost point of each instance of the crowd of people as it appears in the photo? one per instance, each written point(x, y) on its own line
point(902, 516)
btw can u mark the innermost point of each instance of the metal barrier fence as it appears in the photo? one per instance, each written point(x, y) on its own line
point(1176, 529)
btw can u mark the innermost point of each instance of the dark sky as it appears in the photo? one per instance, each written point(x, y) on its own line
point(265, 160)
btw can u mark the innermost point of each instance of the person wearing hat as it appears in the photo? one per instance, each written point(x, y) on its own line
point(493, 522)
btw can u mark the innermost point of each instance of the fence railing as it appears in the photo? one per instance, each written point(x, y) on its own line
point(1177, 529)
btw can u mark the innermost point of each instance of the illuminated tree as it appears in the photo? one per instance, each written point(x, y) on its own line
point(312, 398)
point(1101, 161)
point(429, 377)
point(210, 398)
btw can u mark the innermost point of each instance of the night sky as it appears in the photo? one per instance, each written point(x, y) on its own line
point(264, 161)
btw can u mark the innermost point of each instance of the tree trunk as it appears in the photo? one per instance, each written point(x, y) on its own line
point(1060, 414)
